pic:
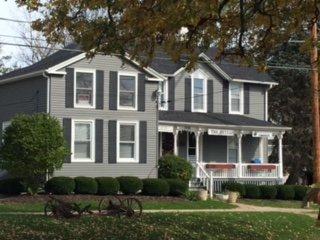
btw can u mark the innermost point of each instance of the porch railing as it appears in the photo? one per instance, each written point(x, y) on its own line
point(235, 170)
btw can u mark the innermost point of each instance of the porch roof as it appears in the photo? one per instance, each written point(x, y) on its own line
point(215, 119)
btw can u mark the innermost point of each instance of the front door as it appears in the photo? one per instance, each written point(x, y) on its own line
point(191, 148)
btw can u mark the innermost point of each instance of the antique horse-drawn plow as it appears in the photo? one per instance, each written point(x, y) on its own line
point(109, 206)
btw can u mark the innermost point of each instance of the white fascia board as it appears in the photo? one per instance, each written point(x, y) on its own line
point(254, 81)
point(20, 77)
point(54, 69)
point(233, 127)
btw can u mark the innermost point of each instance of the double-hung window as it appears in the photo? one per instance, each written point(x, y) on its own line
point(127, 91)
point(236, 98)
point(127, 141)
point(84, 88)
point(83, 141)
point(232, 149)
point(163, 98)
point(199, 92)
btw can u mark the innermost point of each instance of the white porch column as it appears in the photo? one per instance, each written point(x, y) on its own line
point(175, 139)
point(160, 144)
point(197, 135)
point(239, 135)
point(280, 168)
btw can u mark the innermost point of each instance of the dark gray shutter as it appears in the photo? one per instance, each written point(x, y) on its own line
point(187, 90)
point(246, 98)
point(112, 141)
point(171, 95)
point(113, 91)
point(99, 89)
point(141, 91)
point(99, 141)
point(143, 142)
point(67, 136)
point(69, 91)
point(225, 97)
point(210, 96)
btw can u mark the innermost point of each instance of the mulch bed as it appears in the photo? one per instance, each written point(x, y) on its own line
point(76, 198)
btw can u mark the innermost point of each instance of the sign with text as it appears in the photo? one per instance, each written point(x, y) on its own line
point(165, 128)
point(268, 135)
point(221, 132)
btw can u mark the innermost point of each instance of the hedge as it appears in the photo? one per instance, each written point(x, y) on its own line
point(252, 191)
point(268, 192)
point(177, 187)
point(155, 187)
point(85, 185)
point(60, 185)
point(130, 185)
point(300, 192)
point(285, 192)
point(107, 185)
point(171, 166)
point(11, 186)
point(234, 187)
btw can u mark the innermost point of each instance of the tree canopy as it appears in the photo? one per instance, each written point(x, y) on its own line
point(248, 29)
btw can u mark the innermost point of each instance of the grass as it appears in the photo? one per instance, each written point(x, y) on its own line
point(238, 226)
point(210, 204)
point(276, 203)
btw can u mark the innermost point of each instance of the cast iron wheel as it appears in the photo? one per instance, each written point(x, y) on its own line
point(132, 206)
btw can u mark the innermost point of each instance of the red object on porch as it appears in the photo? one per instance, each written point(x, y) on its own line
point(220, 166)
point(259, 168)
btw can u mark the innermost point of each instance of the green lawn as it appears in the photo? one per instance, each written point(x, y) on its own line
point(210, 204)
point(275, 203)
point(238, 226)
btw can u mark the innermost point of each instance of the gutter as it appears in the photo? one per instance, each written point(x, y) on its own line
point(20, 77)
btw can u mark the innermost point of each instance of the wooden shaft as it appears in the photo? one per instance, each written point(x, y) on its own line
point(315, 98)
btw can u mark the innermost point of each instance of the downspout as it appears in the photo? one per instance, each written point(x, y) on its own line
point(48, 77)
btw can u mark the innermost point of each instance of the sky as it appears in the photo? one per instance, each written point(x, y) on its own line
point(9, 9)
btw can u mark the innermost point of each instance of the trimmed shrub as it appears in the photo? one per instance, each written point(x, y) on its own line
point(252, 191)
point(234, 187)
point(171, 166)
point(85, 185)
point(268, 192)
point(300, 192)
point(60, 185)
point(11, 186)
point(129, 185)
point(107, 185)
point(177, 187)
point(155, 187)
point(285, 192)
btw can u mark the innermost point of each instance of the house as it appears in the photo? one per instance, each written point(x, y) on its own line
point(216, 116)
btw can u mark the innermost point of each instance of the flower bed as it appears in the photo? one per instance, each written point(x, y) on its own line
point(215, 166)
point(261, 168)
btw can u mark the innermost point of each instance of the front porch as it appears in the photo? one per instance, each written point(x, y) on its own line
point(221, 153)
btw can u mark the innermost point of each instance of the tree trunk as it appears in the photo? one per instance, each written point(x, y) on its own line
point(315, 97)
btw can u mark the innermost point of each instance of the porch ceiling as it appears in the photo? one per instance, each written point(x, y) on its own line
point(216, 120)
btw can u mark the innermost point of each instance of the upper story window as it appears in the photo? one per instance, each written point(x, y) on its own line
point(127, 141)
point(163, 92)
point(83, 141)
point(85, 88)
point(199, 92)
point(236, 98)
point(127, 91)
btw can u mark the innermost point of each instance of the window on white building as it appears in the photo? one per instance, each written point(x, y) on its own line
point(199, 92)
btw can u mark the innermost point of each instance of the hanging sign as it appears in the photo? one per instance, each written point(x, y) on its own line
point(165, 128)
point(221, 132)
point(268, 135)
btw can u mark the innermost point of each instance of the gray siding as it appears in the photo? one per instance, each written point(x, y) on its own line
point(257, 101)
point(22, 97)
point(107, 64)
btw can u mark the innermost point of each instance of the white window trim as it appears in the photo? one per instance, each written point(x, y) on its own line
point(166, 92)
point(241, 98)
point(199, 74)
point(134, 74)
point(136, 142)
point(92, 143)
point(84, 70)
